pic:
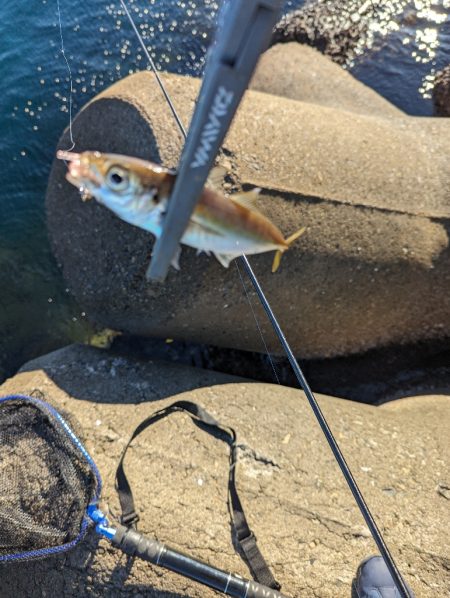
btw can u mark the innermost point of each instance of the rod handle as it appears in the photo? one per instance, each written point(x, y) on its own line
point(148, 549)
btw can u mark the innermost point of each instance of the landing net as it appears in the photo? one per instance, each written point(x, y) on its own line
point(47, 481)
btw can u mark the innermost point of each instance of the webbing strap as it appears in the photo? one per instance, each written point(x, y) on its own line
point(245, 537)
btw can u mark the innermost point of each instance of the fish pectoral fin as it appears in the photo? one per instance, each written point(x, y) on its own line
point(248, 199)
point(224, 258)
point(176, 259)
point(216, 177)
point(288, 241)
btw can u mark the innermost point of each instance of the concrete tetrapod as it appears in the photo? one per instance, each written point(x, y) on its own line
point(308, 526)
point(371, 269)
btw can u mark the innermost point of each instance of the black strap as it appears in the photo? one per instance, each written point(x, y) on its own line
point(245, 537)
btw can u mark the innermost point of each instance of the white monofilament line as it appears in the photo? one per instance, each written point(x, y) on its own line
point(63, 52)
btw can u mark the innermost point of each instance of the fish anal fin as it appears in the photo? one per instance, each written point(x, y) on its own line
point(176, 259)
point(224, 258)
point(248, 199)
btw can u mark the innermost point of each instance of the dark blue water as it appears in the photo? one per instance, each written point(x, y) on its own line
point(36, 312)
point(410, 42)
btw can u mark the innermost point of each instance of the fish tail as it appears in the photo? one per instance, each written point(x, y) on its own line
point(288, 241)
point(276, 260)
point(295, 236)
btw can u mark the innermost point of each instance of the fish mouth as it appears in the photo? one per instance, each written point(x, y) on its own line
point(79, 173)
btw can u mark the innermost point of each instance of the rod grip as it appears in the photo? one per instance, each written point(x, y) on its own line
point(137, 545)
point(256, 590)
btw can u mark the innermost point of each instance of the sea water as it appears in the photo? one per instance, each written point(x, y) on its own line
point(37, 313)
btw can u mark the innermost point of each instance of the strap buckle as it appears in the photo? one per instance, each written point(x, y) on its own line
point(130, 519)
point(250, 539)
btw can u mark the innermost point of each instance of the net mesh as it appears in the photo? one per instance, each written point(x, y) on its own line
point(46, 483)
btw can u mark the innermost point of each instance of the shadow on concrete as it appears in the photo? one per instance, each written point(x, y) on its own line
point(91, 374)
point(73, 575)
point(374, 377)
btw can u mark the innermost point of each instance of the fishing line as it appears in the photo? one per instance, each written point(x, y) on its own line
point(152, 64)
point(63, 52)
point(184, 133)
point(351, 482)
point(257, 323)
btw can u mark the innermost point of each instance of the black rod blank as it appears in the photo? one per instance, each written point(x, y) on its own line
point(382, 547)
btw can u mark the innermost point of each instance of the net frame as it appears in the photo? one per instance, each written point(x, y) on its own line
point(62, 428)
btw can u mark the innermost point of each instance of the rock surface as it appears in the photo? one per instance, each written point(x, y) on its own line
point(306, 521)
point(334, 28)
point(441, 92)
point(300, 72)
point(372, 268)
point(345, 30)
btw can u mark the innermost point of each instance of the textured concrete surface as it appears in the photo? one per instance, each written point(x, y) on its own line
point(300, 72)
point(371, 269)
point(305, 519)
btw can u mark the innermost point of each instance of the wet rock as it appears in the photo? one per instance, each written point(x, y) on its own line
point(307, 524)
point(300, 72)
point(441, 92)
point(345, 31)
point(372, 268)
point(335, 28)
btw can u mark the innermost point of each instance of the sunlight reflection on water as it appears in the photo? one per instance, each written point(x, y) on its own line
point(409, 39)
point(404, 38)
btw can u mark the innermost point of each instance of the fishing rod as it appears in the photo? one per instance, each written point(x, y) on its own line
point(243, 33)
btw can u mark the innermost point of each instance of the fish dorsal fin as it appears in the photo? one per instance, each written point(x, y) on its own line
point(248, 199)
point(216, 177)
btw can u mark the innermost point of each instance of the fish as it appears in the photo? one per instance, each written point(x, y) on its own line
point(138, 192)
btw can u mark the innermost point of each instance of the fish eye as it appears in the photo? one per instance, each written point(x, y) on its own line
point(117, 178)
